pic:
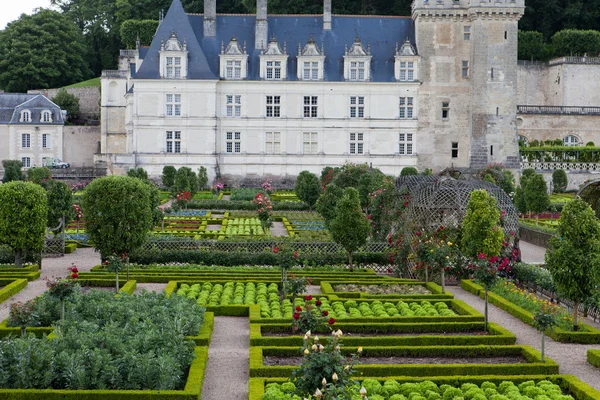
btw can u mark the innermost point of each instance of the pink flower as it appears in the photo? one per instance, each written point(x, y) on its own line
point(482, 256)
point(275, 250)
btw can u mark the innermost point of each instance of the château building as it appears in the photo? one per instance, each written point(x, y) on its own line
point(277, 94)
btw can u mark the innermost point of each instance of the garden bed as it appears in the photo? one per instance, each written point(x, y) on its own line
point(519, 360)
point(399, 289)
point(10, 287)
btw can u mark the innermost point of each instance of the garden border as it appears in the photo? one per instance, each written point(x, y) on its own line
point(593, 357)
point(11, 287)
point(435, 289)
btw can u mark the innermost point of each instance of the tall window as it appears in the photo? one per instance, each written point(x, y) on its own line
point(310, 71)
point(571, 140)
point(445, 110)
point(356, 143)
point(310, 106)
point(357, 70)
point(25, 116)
point(25, 140)
point(273, 70)
point(234, 69)
point(234, 105)
point(173, 105)
point(406, 108)
point(45, 140)
point(310, 142)
point(465, 69)
point(174, 67)
point(46, 116)
point(405, 144)
point(467, 33)
point(273, 106)
point(233, 142)
point(26, 161)
point(454, 149)
point(357, 106)
point(273, 142)
point(173, 141)
point(407, 71)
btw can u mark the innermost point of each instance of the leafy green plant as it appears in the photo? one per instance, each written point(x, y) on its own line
point(13, 171)
point(408, 171)
point(22, 315)
point(61, 289)
point(311, 317)
point(168, 176)
point(544, 319)
point(295, 286)
point(481, 232)
point(115, 264)
point(308, 188)
point(39, 175)
point(265, 210)
point(559, 181)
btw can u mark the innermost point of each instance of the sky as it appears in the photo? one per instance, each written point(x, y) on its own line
point(12, 9)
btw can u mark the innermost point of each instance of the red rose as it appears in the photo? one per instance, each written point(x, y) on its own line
point(308, 298)
point(296, 316)
point(298, 308)
point(331, 321)
point(318, 303)
point(275, 250)
point(106, 262)
point(325, 313)
point(74, 275)
point(295, 254)
point(74, 269)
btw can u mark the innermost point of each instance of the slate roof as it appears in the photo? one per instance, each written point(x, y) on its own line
point(11, 105)
point(382, 33)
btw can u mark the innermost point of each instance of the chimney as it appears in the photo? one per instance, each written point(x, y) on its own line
point(210, 18)
point(327, 15)
point(262, 27)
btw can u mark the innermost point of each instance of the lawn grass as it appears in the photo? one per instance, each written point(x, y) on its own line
point(88, 83)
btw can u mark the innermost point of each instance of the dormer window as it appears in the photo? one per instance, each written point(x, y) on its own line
point(357, 62)
point(407, 60)
point(273, 62)
point(310, 61)
point(234, 61)
point(173, 58)
point(25, 116)
point(46, 116)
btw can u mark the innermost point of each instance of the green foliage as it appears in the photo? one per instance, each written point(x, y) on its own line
point(60, 202)
point(139, 173)
point(327, 202)
point(67, 101)
point(500, 176)
point(350, 228)
point(118, 214)
point(185, 181)
point(202, 178)
point(246, 194)
point(13, 171)
point(481, 231)
point(574, 260)
point(519, 200)
point(532, 46)
point(559, 181)
point(23, 217)
point(527, 173)
point(409, 171)
point(569, 42)
point(132, 29)
point(536, 194)
point(43, 50)
point(168, 176)
point(308, 188)
point(39, 174)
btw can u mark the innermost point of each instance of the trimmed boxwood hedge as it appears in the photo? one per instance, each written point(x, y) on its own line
point(11, 287)
point(588, 334)
point(593, 357)
point(533, 366)
point(435, 289)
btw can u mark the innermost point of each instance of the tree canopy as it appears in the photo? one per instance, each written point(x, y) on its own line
point(481, 231)
point(308, 188)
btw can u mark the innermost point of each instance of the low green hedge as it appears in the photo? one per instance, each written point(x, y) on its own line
point(497, 334)
point(587, 334)
point(533, 365)
point(436, 290)
point(593, 357)
point(30, 276)
point(70, 248)
point(24, 269)
point(569, 383)
point(245, 205)
point(11, 287)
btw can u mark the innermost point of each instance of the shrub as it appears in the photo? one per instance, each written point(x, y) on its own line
point(68, 102)
point(168, 176)
point(536, 194)
point(13, 171)
point(559, 181)
point(39, 174)
point(573, 41)
point(409, 171)
point(308, 188)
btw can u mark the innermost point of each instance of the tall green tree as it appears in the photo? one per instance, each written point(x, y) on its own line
point(559, 181)
point(68, 102)
point(23, 217)
point(202, 178)
point(13, 171)
point(328, 201)
point(168, 176)
point(350, 227)
point(481, 231)
point(308, 188)
point(185, 181)
point(43, 50)
point(60, 202)
point(536, 195)
point(574, 259)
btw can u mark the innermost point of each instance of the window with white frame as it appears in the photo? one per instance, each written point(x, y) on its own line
point(571, 140)
point(234, 105)
point(273, 142)
point(173, 141)
point(233, 69)
point(467, 33)
point(405, 144)
point(173, 67)
point(310, 71)
point(273, 70)
point(26, 116)
point(310, 142)
point(356, 143)
point(273, 107)
point(174, 105)
point(406, 107)
point(310, 106)
point(25, 140)
point(357, 70)
point(233, 142)
point(26, 161)
point(46, 116)
point(357, 106)
point(407, 70)
point(465, 69)
point(46, 140)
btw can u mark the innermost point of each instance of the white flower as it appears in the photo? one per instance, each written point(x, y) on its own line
point(316, 338)
point(318, 393)
point(363, 391)
point(308, 333)
point(334, 377)
point(359, 349)
point(306, 351)
point(324, 382)
point(321, 348)
point(314, 347)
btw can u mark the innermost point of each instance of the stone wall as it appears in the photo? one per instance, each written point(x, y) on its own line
point(89, 100)
point(535, 237)
point(549, 127)
point(79, 145)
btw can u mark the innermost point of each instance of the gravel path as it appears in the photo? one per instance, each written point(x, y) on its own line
point(228, 360)
point(570, 357)
point(84, 259)
point(150, 287)
point(278, 230)
point(531, 253)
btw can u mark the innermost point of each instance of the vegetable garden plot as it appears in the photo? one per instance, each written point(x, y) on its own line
point(385, 290)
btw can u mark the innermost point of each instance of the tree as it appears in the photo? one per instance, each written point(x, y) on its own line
point(519, 201)
point(574, 257)
point(536, 195)
point(527, 173)
point(532, 46)
point(43, 50)
point(13, 171)
point(68, 102)
point(118, 214)
point(328, 201)
point(139, 173)
point(168, 176)
point(39, 174)
point(185, 181)
point(308, 188)
point(132, 29)
point(409, 171)
point(350, 228)
point(60, 202)
point(481, 232)
point(23, 217)
point(559, 181)
point(202, 178)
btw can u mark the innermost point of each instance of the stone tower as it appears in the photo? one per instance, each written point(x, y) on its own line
point(468, 52)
